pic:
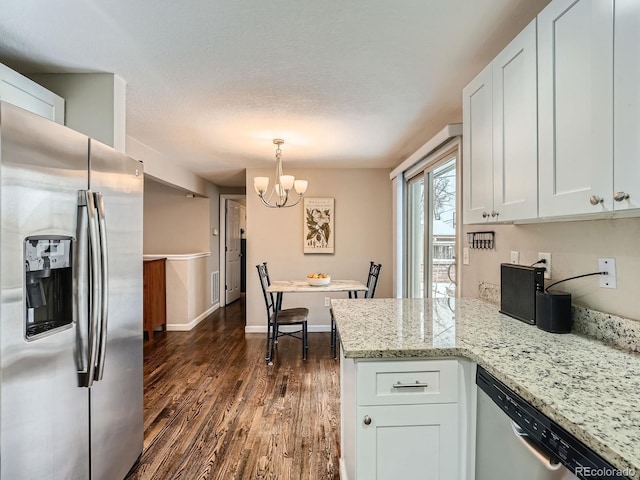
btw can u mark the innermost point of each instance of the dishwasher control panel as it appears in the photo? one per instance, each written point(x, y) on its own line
point(545, 433)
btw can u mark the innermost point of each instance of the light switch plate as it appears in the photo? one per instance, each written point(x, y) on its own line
point(465, 255)
point(515, 257)
point(607, 265)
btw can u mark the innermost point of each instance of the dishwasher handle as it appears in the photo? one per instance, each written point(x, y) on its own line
point(548, 462)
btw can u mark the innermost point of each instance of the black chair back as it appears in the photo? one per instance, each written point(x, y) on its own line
point(372, 279)
point(265, 282)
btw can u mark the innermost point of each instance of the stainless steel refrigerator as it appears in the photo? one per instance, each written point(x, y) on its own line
point(71, 315)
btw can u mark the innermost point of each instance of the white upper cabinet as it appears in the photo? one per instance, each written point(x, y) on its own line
point(575, 107)
point(515, 137)
point(25, 93)
point(500, 138)
point(477, 159)
point(626, 140)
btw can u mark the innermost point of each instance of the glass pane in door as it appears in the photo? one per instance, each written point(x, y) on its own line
point(415, 238)
point(442, 236)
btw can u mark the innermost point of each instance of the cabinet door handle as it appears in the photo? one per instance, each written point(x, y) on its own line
point(410, 385)
point(595, 200)
point(494, 213)
point(620, 196)
point(485, 214)
point(367, 420)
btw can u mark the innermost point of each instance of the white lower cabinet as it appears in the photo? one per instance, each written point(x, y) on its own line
point(408, 441)
point(404, 419)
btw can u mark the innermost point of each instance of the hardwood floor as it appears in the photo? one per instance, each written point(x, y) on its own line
point(214, 410)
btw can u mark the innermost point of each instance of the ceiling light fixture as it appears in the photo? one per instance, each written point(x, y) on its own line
point(283, 184)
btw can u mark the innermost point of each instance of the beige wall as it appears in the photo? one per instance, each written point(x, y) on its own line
point(188, 297)
point(95, 104)
point(180, 226)
point(173, 223)
point(575, 248)
point(363, 232)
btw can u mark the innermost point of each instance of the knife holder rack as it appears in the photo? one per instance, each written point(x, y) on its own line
point(481, 240)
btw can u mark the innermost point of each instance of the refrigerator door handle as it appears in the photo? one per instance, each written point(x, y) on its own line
point(104, 284)
point(81, 306)
point(95, 279)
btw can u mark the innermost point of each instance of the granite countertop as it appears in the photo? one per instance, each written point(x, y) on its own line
point(589, 388)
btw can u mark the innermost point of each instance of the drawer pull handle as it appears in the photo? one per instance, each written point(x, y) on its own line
point(410, 385)
point(367, 420)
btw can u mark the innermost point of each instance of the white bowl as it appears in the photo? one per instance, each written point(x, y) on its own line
point(319, 282)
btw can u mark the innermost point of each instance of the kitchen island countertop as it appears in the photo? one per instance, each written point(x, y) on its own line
point(589, 388)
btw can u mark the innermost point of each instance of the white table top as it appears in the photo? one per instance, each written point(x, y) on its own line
point(301, 286)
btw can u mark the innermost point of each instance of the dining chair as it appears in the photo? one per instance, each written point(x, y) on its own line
point(372, 279)
point(372, 284)
point(283, 317)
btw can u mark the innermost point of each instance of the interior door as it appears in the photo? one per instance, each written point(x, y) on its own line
point(232, 251)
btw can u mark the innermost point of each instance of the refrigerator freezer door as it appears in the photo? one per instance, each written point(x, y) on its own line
point(44, 413)
point(116, 399)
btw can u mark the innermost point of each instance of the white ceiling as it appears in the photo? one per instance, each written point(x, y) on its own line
point(210, 83)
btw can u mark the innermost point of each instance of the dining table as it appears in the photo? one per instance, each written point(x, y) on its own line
point(280, 287)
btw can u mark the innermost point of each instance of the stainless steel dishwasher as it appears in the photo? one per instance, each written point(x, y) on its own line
point(514, 440)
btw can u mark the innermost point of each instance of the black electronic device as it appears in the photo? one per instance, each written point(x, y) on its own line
point(518, 287)
point(553, 311)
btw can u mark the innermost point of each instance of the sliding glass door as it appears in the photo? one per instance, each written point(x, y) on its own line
point(431, 230)
point(415, 236)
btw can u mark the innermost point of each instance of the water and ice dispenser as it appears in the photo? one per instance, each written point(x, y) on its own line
point(49, 284)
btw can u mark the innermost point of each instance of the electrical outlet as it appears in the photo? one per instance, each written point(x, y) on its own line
point(515, 257)
point(547, 264)
point(327, 301)
point(607, 265)
point(465, 255)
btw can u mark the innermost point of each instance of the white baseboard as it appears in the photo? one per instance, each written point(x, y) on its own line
point(263, 328)
point(343, 471)
point(185, 327)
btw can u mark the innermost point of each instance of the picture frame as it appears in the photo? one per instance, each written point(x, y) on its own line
point(319, 229)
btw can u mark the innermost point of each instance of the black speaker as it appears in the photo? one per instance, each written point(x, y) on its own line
point(553, 311)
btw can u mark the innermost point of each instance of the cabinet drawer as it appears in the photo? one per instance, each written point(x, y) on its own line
point(390, 382)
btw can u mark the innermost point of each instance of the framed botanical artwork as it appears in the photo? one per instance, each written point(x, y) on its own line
point(319, 232)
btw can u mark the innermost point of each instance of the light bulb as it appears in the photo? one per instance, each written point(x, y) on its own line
point(301, 186)
point(287, 181)
point(260, 184)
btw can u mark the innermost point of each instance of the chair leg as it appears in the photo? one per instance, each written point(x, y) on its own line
point(274, 336)
point(332, 343)
point(334, 335)
point(305, 343)
point(267, 353)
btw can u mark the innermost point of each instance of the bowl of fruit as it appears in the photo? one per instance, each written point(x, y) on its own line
point(318, 279)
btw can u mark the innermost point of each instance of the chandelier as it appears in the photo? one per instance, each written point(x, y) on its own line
point(282, 186)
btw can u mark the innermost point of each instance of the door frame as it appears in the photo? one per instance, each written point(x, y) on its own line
point(222, 235)
point(436, 158)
